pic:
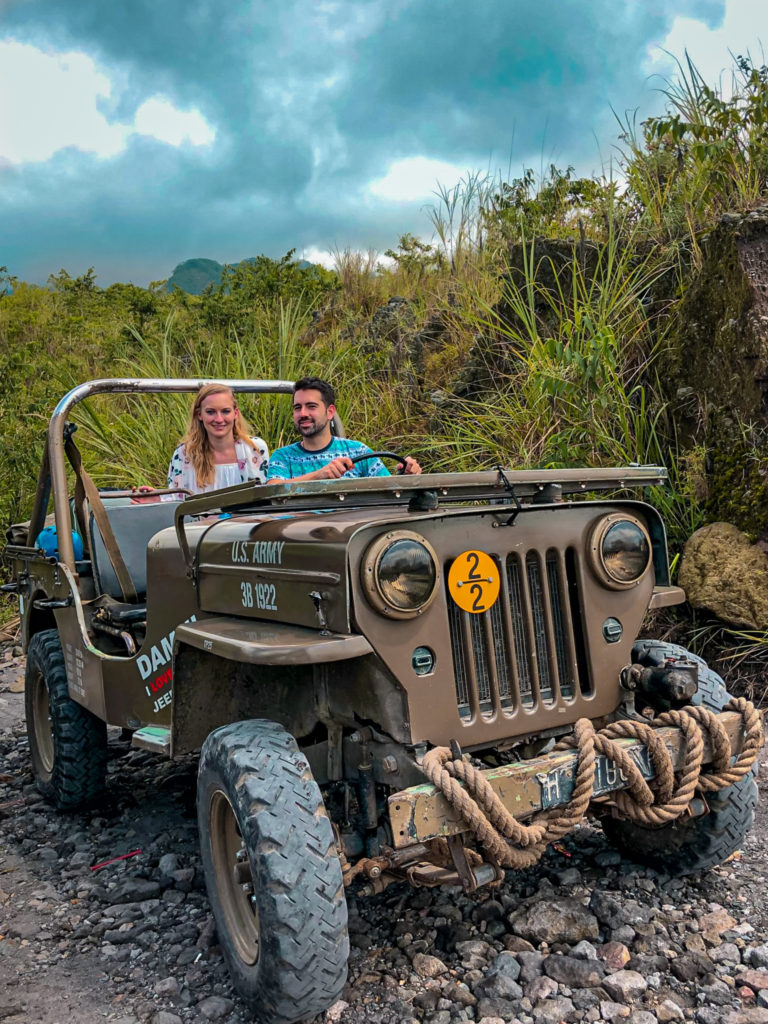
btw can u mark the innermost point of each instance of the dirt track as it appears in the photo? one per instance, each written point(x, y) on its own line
point(132, 940)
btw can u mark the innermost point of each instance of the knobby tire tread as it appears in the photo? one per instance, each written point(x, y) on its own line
point(302, 907)
point(691, 845)
point(79, 738)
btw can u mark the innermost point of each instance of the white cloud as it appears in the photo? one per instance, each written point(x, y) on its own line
point(161, 119)
point(50, 101)
point(415, 177)
point(744, 30)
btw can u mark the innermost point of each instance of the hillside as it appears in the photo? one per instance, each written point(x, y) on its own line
point(193, 276)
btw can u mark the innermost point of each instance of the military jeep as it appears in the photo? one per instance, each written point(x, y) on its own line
point(412, 679)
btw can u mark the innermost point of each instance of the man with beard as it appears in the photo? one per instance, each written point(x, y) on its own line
point(319, 455)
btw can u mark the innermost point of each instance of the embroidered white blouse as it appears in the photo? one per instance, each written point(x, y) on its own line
point(251, 465)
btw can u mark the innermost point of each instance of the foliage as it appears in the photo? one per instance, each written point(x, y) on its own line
point(570, 353)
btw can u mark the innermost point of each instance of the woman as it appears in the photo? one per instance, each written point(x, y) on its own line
point(217, 449)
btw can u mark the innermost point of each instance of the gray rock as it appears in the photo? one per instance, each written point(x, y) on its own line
point(540, 988)
point(725, 953)
point(584, 950)
point(668, 1011)
point(756, 956)
point(503, 1008)
point(718, 994)
point(215, 1007)
point(641, 1017)
point(501, 980)
point(553, 1011)
point(567, 970)
point(134, 890)
point(165, 1017)
point(613, 1011)
point(167, 864)
point(553, 921)
point(530, 965)
point(624, 986)
point(428, 966)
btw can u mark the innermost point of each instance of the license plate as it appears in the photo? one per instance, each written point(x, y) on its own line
point(557, 785)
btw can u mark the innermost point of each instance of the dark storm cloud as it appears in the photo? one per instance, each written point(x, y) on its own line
point(310, 101)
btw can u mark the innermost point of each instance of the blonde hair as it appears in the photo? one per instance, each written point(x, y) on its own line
point(195, 441)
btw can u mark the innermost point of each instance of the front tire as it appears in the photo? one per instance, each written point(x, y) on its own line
point(67, 743)
point(689, 845)
point(272, 873)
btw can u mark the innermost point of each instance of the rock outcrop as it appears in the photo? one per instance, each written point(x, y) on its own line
point(723, 573)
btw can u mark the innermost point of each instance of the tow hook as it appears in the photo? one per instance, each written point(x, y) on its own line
point(675, 680)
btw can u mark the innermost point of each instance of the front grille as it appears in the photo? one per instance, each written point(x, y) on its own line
point(526, 651)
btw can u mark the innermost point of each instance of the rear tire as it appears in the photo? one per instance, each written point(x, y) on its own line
point(67, 743)
point(272, 872)
point(689, 845)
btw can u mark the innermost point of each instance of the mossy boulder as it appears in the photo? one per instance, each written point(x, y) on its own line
point(725, 574)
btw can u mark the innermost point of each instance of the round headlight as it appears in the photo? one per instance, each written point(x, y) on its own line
point(399, 574)
point(621, 550)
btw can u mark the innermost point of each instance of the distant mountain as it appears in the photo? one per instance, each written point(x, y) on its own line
point(194, 276)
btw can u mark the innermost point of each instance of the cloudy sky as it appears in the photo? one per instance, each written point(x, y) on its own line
point(139, 133)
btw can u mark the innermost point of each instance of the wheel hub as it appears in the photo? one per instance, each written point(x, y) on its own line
point(234, 879)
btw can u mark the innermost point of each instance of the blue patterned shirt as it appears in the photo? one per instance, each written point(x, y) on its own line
point(294, 460)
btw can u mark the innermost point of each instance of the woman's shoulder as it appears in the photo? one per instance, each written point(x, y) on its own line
point(179, 451)
point(260, 445)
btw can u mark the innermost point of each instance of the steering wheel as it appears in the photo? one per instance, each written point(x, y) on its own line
point(381, 455)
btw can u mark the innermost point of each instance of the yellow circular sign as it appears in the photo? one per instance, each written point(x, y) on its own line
point(473, 581)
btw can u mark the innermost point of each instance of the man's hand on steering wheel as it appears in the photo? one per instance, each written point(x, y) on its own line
point(407, 463)
point(410, 466)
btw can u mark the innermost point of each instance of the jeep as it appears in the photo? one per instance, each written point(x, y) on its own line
point(412, 679)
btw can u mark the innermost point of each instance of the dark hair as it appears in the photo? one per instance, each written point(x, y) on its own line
point(316, 384)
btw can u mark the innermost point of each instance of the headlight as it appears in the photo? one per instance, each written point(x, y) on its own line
point(620, 550)
point(399, 574)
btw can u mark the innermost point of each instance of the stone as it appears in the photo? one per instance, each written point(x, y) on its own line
point(614, 955)
point(459, 993)
point(691, 966)
point(530, 965)
point(613, 1011)
point(668, 1010)
point(725, 953)
point(717, 994)
point(641, 1017)
point(554, 1011)
point(427, 966)
point(333, 1013)
point(501, 980)
point(541, 988)
point(215, 1007)
point(750, 1015)
point(756, 980)
point(567, 970)
point(134, 890)
point(757, 956)
point(713, 925)
point(584, 950)
point(551, 921)
point(722, 572)
point(624, 986)
point(167, 987)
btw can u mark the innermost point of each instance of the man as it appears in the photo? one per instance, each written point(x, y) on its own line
point(319, 455)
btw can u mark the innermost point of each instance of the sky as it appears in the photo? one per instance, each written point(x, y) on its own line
point(138, 134)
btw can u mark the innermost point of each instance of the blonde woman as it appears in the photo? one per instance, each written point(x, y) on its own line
point(217, 449)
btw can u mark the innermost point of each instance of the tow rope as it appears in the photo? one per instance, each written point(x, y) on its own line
point(509, 843)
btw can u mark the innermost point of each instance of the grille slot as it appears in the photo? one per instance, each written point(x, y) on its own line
point(524, 652)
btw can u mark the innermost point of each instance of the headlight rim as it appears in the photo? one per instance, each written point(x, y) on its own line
point(370, 579)
point(596, 557)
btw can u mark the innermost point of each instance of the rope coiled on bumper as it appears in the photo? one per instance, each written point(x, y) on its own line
point(509, 843)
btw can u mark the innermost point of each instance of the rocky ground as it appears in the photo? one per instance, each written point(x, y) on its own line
point(103, 916)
